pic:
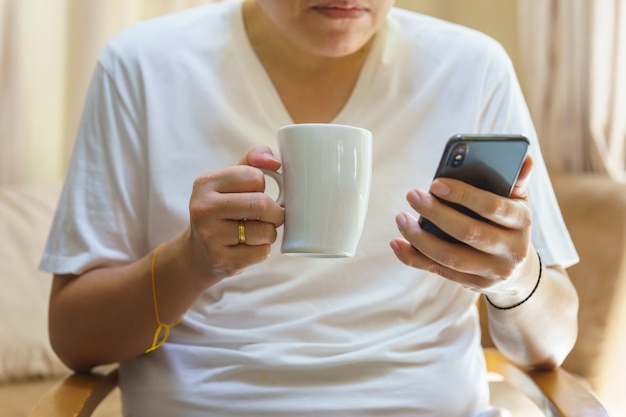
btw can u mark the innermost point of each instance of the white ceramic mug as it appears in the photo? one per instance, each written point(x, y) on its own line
point(324, 187)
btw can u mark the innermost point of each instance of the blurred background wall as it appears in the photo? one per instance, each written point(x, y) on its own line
point(497, 18)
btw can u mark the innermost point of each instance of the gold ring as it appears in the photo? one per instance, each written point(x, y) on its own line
point(241, 232)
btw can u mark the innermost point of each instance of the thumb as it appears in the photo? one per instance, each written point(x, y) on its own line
point(260, 156)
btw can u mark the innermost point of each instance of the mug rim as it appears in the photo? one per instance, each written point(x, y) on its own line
point(331, 125)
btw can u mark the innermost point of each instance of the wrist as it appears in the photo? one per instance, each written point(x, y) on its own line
point(192, 262)
point(523, 293)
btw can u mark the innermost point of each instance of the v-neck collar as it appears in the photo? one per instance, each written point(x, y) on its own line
point(275, 109)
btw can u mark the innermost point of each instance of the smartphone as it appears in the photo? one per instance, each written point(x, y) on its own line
point(489, 162)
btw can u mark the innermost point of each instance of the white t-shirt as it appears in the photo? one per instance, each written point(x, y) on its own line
point(182, 95)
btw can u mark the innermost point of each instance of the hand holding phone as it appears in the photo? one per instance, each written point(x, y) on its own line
point(488, 162)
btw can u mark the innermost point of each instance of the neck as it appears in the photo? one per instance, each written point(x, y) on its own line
point(276, 52)
point(312, 88)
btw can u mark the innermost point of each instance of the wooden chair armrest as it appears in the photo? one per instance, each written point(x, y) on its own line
point(555, 391)
point(77, 395)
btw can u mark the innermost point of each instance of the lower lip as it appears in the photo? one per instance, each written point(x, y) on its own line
point(339, 13)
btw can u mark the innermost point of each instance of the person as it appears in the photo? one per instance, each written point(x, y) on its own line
point(151, 270)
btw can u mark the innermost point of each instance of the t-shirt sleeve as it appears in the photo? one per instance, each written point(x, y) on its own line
point(505, 111)
point(100, 219)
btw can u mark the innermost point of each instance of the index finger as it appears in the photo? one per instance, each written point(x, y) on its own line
point(236, 179)
point(503, 211)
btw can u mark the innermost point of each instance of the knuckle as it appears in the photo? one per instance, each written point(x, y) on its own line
point(496, 208)
point(200, 209)
point(201, 202)
point(449, 260)
point(196, 209)
point(527, 219)
point(503, 271)
point(471, 233)
point(269, 233)
point(463, 195)
point(253, 176)
point(501, 275)
point(257, 203)
point(436, 269)
point(517, 258)
point(201, 183)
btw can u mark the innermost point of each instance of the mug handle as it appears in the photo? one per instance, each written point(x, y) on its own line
point(278, 177)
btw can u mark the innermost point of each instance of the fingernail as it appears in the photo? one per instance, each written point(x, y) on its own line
point(401, 220)
point(270, 156)
point(439, 188)
point(415, 196)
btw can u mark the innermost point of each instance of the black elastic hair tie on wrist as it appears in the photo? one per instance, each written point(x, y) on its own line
point(525, 299)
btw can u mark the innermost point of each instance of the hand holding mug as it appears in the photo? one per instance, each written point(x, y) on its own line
point(222, 243)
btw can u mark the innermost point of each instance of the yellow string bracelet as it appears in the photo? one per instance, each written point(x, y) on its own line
point(163, 328)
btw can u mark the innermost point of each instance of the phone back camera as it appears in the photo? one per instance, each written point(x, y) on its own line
point(458, 155)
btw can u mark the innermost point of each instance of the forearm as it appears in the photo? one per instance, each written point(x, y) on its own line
point(541, 331)
point(107, 315)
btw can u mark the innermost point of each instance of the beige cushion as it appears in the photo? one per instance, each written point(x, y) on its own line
point(594, 208)
point(25, 216)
